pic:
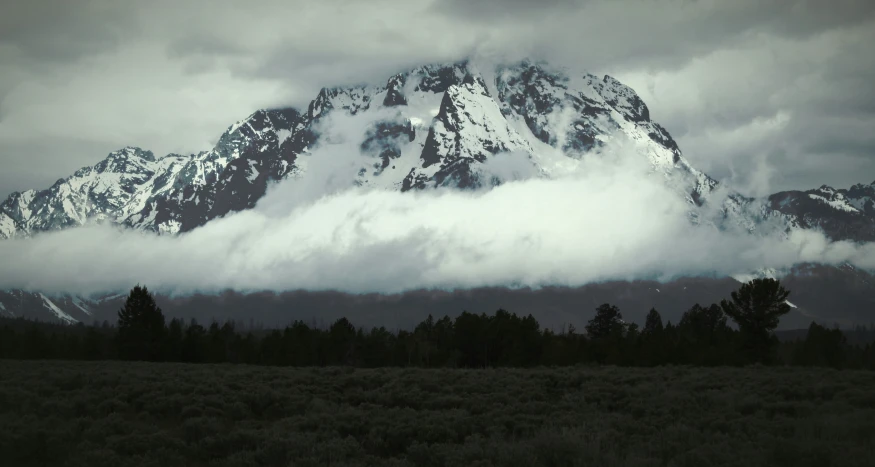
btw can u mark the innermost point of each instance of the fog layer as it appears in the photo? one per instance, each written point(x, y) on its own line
point(609, 219)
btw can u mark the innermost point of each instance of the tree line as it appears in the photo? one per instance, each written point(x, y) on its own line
point(703, 337)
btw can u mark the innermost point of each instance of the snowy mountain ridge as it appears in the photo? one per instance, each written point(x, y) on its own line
point(436, 125)
point(431, 126)
point(842, 214)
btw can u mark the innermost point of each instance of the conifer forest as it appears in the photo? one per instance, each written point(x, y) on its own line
point(716, 388)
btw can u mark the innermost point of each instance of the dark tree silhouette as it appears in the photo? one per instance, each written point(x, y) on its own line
point(653, 323)
point(474, 340)
point(757, 308)
point(702, 324)
point(175, 337)
point(607, 321)
point(502, 339)
point(193, 343)
point(606, 330)
point(140, 327)
point(471, 338)
point(444, 341)
point(342, 341)
point(822, 347)
point(704, 336)
point(653, 340)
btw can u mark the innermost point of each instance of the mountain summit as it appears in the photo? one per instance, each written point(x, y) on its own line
point(431, 126)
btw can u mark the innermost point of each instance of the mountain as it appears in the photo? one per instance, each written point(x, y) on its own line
point(132, 187)
point(432, 126)
point(64, 308)
point(840, 214)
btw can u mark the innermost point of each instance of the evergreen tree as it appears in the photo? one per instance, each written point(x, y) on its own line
point(606, 331)
point(175, 337)
point(527, 345)
point(630, 346)
point(653, 323)
point(704, 335)
point(377, 348)
point(502, 339)
point(9, 345)
point(193, 343)
point(217, 348)
point(446, 353)
point(300, 345)
point(92, 346)
point(757, 308)
point(342, 336)
point(822, 347)
point(607, 321)
point(703, 325)
point(653, 340)
point(424, 333)
point(140, 327)
point(471, 340)
point(37, 344)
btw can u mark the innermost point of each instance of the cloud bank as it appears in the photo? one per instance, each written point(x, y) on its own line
point(607, 220)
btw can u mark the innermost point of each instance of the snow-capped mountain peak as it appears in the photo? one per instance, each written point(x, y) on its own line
point(437, 125)
point(433, 125)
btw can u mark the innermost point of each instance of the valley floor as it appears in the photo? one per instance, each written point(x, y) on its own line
point(140, 414)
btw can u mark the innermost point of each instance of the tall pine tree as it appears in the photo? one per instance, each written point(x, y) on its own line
point(140, 327)
point(757, 308)
point(653, 323)
point(607, 321)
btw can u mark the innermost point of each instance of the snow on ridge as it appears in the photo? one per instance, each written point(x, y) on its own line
point(111, 297)
point(105, 190)
point(7, 226)
point(5, 311)
point(59, 313)
point(763, 273)
point(840, 203)
point(253, 171)
point(119, 188)
point(283, 135)
point(492, 124)
point(78, 303)
point(238, 124)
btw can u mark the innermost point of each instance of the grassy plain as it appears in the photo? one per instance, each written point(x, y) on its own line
point(163, 414)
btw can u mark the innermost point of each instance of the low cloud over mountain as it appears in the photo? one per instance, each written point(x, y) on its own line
point(607, 220)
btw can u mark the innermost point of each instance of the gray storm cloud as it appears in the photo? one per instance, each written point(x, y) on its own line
point(609, 219)
point(81, 78)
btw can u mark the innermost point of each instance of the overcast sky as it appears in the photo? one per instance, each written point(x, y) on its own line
point(774, 94)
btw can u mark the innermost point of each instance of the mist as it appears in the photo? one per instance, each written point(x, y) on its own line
point(606, 219)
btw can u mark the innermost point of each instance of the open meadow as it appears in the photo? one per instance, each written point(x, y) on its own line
point(168, 414)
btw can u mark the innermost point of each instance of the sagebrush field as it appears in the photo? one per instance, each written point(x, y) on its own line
point(167, 414)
